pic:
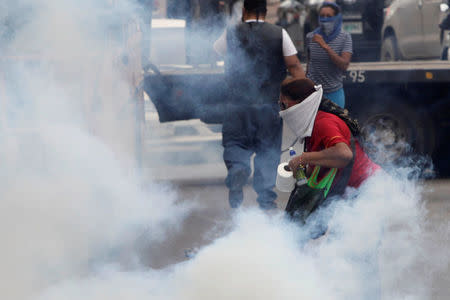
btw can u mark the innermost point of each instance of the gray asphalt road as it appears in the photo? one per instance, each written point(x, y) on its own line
point(213, 216)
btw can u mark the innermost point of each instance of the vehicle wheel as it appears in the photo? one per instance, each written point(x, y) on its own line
point(389, 51)
point(392, 131)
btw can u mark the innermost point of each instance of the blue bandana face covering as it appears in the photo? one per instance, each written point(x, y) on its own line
point(329, 27)
point(327, 24)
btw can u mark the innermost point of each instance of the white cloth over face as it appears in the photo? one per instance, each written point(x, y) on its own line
point(300, 117)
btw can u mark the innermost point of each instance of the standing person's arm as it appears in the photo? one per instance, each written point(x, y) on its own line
point(341, 61)
point(294, 67)
point(290, 57)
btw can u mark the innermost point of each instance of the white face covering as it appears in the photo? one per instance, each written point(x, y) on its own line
point(300, 117)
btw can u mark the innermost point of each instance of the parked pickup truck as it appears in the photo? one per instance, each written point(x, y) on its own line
point(403, 107)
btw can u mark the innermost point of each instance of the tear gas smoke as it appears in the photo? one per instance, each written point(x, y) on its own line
point(72, 207)
point(376, 245)
point(71, 195)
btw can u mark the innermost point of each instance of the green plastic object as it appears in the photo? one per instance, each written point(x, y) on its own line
point(326, 181)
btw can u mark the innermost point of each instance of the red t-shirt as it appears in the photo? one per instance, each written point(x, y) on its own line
point(330, 130)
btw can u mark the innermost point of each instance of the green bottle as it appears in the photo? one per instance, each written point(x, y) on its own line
point(300, 173)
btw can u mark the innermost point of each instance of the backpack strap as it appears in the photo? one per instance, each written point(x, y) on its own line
point(328, 106)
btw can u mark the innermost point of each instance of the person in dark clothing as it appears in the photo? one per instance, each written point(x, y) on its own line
point(257, 55)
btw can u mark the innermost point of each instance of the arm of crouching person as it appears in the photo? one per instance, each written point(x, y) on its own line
point(341, 61)
point(337, 156)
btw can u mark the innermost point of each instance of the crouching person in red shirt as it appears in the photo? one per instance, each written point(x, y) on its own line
point(330, 136)
point(332, 156)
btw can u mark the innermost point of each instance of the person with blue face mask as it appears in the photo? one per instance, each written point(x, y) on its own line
point(329, 51)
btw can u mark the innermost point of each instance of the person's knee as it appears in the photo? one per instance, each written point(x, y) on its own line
point(237, 154)
point(237, 177)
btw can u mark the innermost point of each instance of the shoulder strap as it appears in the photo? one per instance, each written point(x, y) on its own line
point(329, 106)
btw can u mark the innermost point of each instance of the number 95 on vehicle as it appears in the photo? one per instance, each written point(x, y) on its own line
point(356, 76)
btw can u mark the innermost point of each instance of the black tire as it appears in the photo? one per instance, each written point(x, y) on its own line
point(389, 50)
point(392, 131)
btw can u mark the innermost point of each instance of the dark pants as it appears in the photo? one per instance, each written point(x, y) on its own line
point(247, 130)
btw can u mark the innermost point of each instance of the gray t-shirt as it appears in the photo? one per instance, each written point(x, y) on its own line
point(321, 69)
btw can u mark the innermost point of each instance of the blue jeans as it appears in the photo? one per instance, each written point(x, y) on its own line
point(247, 130)
point(337, 97)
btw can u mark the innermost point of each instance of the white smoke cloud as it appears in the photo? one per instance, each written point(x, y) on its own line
point(376, 240)
point(71, 196)
point(375, 246)
point(73, 208)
